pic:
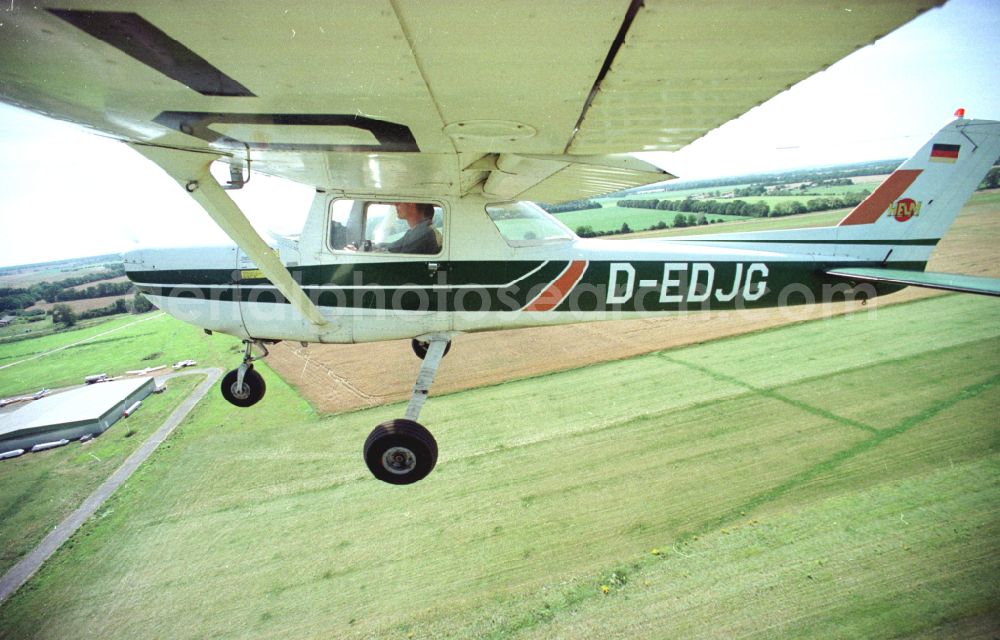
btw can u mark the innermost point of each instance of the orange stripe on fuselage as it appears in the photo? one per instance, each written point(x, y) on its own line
point(555, 292)
point(888, 192)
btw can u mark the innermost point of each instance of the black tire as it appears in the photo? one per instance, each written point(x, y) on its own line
point(400, 452)
point(420, 348)
point(251, 393)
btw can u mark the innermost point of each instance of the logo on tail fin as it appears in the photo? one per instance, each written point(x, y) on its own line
point(904, 209)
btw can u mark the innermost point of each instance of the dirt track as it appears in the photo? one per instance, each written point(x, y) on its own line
point(337, 378)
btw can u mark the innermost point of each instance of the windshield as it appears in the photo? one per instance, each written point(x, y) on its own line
point(525, 224)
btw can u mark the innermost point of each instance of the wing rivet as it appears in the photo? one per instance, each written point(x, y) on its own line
point(486, 131)
point(191, 186)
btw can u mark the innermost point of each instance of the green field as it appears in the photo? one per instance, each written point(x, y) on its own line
point(19, 331)
point(38, 491)
point(836, 478)
point(811, 191)
point(744, 225)
point(23, 277)
point(801, 221)
point(610, 217)
point(113, 347)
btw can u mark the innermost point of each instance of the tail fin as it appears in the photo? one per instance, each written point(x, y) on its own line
point(913, 208)
point(921, 199)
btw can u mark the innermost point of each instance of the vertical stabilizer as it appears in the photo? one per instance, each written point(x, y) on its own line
point(921, 199)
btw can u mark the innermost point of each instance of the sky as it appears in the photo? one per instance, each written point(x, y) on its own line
point(66, 193)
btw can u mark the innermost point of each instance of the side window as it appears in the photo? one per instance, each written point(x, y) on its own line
point(393, 227)
point(346, 223)
point(525, 224)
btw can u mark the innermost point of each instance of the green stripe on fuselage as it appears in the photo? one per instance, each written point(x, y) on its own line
point(480, 286)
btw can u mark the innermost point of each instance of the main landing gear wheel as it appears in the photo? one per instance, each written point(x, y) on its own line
point(400, 451)
point(420, 348)
point(249, 394)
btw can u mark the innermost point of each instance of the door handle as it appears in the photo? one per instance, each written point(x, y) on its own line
point(434, 267)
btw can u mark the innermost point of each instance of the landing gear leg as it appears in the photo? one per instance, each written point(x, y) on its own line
point(420, 348)
point(243, 386)
point(402, 451)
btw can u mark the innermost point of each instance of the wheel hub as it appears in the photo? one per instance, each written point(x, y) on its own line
point(241, 393)
point(399, 460)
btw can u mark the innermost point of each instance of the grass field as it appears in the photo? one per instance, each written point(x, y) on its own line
point(113, 347)
point(84, 304)
point(829, 479)
point(38, 490)
point(744, 225)
point(30, 330)
point(23, 278)
point(610, 217)
point(861, 182)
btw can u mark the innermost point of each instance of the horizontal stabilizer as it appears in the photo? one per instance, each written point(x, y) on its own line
point(928, 279)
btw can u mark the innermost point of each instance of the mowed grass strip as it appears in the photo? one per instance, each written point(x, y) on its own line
point(903, 559)
point(262, 522)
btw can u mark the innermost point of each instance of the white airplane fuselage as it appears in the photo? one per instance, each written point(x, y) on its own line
point(484, 280)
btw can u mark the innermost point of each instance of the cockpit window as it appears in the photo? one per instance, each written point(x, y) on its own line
point(525, 224)
point(393, 227)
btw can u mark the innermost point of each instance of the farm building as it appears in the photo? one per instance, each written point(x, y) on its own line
point(72, 414)
point(6, 320)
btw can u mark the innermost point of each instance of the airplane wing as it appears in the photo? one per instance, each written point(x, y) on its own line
point(926, 279)
point(516, 99)
point(522, 99)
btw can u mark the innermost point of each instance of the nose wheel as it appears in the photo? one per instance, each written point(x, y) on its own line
point(243, 386)
point(403, 451)
point(246, 394)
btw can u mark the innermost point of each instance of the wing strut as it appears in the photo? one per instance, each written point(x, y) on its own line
point(191, 170)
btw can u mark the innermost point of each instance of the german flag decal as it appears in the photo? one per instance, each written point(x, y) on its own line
point(944, 152)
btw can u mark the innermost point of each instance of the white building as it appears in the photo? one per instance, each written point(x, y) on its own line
point(71, 414)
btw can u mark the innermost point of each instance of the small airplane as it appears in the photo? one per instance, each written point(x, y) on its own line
point(427, 136)
point(146, 371)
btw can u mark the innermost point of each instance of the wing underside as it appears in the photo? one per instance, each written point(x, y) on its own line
point(519, 99)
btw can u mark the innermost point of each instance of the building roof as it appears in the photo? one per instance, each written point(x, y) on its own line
point(82, 404)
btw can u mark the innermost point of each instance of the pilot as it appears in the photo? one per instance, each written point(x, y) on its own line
point(420, 238)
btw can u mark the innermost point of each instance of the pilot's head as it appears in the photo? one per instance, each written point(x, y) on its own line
point(415, 211)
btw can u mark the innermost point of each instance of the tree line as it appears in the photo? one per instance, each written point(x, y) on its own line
point(64, 314)
point(572, 205)
point(743, 208)
point(16, 298)
point(816, 176)
point(680, 220)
